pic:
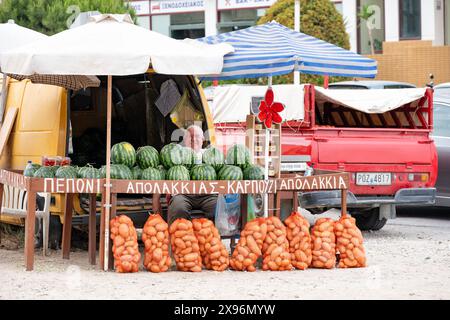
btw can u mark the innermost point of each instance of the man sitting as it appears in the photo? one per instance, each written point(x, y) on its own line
point(181, 205)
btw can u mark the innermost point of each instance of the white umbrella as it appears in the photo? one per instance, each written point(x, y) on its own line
point(112, 45)
point(11, 37)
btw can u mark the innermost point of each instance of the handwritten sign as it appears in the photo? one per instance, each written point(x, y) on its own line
point(336, 181)
point(323, 182)
point(72, 185)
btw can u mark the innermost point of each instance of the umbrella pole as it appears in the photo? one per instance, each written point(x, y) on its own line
point(266, 162)
point(3, 100)
point(108, 173)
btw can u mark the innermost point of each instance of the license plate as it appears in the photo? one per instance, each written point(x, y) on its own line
point(373, 179)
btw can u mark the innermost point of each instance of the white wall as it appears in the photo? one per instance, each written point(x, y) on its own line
point(427, 22)
point(349, 13)
point(210, 18)
point(391, 20)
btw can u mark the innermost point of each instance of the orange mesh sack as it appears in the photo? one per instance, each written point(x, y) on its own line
point(213, 252)
point(297, 233)
point(185, 248)
point(324, 245)
point(349, 242)
point(155, 236)
point(125, 246)
point(249, 247)
point(276, 256)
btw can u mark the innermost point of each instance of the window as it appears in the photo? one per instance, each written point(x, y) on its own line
point(410, 16)
point(376, 25)
point(441, 118)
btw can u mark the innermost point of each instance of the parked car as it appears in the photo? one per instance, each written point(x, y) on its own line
point(390, 156)
point(441, 136)
point(370, 84)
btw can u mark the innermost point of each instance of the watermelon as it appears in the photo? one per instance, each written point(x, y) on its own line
point(178, 173)
point(163, 172)
point(213, 156)
point(203, 172)
point(118, 171)
point(137, 173)
point(238, 155)
point(187, 157)
point(151, 174)
point(54, 169)
point(44, 172)
point(147, 157)
point(29, 172)
point(171, 155)
point(254, 172)
point(88, 172)
point(66, 172)
point(229, 172)
point(123, 153)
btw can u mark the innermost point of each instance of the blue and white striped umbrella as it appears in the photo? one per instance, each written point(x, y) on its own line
point(272, 49)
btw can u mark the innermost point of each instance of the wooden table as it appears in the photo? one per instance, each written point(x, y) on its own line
point(326, 181)
point(69, 187)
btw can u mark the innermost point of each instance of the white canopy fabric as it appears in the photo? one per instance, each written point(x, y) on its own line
point(370, 101)
point(113, 45)
point(13, 36)
point(232, 103)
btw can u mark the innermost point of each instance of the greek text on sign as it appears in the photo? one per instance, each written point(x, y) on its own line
point(240, 4)
point(176, 6)
point(61, 185)
point(141, 7)
point(240, 186)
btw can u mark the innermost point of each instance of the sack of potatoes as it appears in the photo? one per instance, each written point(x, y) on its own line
point(125, 245)
point(299, 237)
point(349, 241)
point(185, 247)
point(249, 247)
point(214, 254)
point(275, 250)
point(155, 236)
point(324, 245)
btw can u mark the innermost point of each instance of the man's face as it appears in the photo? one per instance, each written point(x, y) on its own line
point(194, 138)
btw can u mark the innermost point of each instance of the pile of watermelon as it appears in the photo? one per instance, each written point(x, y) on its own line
point(174, 162)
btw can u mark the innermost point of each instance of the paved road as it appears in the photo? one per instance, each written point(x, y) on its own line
point(408, 259)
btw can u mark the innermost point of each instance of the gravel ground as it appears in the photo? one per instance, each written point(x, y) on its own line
point(408, 259)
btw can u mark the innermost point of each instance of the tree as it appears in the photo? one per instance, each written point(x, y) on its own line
point(319, 18)
point(53, 16)
point(366, 15)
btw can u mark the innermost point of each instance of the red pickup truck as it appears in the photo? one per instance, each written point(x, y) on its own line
point(381, 137)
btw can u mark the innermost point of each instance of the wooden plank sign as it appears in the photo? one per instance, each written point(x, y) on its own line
point(7, 127)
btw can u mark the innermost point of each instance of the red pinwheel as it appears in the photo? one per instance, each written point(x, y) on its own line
point(268, 109)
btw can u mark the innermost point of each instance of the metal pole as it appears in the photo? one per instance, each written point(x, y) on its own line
point(266, 162)
point(108, 173)
point(297, 28)
point(3, 98)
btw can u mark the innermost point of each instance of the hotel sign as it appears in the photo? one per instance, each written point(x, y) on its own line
point(142, 7)
point(176, 6)
point(242, 4)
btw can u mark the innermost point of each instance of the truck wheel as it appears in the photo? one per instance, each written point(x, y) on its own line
point(370, 220)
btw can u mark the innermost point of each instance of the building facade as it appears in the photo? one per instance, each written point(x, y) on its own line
point(396, 20)
point(181, 19)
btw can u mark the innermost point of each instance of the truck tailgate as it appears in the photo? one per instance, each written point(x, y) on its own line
point(372, 149)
